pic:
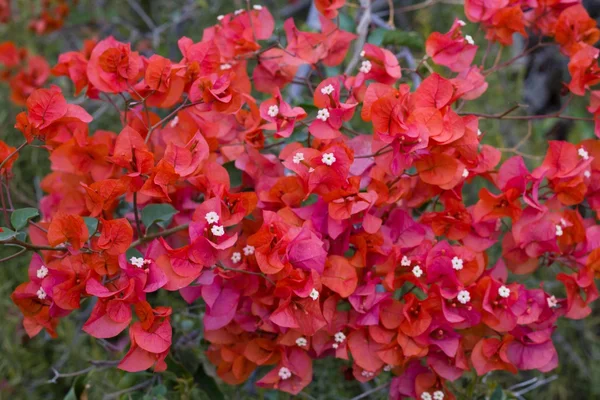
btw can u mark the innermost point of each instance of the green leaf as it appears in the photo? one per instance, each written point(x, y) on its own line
point(76, 391)
point(20, 217)
point(7, 234)
point(92, 225)
point(133, 253)
point(412, 40)
point(207, 384)
point(235, 175)
point(161, 214)
point(498, 394)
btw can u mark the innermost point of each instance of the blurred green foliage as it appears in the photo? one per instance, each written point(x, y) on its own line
point(27, 365)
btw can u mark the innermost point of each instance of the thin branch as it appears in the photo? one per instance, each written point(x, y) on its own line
point(23, 250)
point(370, 392)
point(385, 149)
point(142, 14)
point(418, 6)
point(133, 388)
point(362, 31)
point(137, 217)
point(243, 271)
point(96, 365)
point(11, 155)
point(34, 247)
point(164, 233)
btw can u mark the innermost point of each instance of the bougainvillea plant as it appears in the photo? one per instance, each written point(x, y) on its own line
point(305, 234)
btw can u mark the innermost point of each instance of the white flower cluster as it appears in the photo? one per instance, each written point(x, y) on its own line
point(298, 158)
point(328, 158)
point(42, 272)
point(463, 297)
point(365, 67)
point(417, 271)
point(248, 250)
point(41, 294)
point(285, 373)
point(323, 114)
point(139, 262)
point(314, 294)
point(457, 263)
point(327, 90)
point(273, 111)
point(339, 337)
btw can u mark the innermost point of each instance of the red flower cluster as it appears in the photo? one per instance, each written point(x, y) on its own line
point(51, 17)
point(24, 72)
point(341, 244)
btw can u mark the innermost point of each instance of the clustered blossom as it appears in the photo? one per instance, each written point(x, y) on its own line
point(308, 253)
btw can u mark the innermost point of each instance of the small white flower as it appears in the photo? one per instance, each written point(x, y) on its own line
point(220, 17)
point(174, 122)
point(388, 368)
point(563, 222)
point(146, 261)
point(248, 250)
point(365, 67)
point(339, 337)
point(367, 374)
point(463, 297)
point(503, 291)
point(405, 262)
point(438, 395)
point(225, 66)
point(314, 294)
point(362, 53)
point(257, 7)
point(212, 217)
point(301, 342)
point(425, 396)
point(273, 111)
point(236, 257)
point(137, 261)
point(552, 302)
point(559, 230)
point(327, 90)
point(457, 263)
point(465, 173)
point(311, 169)
point(41, 294)
point(479, 133)
point(298, 158)
point(335, 345)
point(460, 22)
point(417, 271)
point(583, 153)
point(238, 12)
point(284, 373)
point(323, 114)
point(469, 39)
point(587, 174)
point(42, 272)
point(217, 230)
point(328, 158)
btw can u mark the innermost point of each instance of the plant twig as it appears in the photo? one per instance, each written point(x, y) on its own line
point(11, 155)
point(362, 31)
point(370, 392)
point(116, 395)
point(23, 250)
point(164, 233)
